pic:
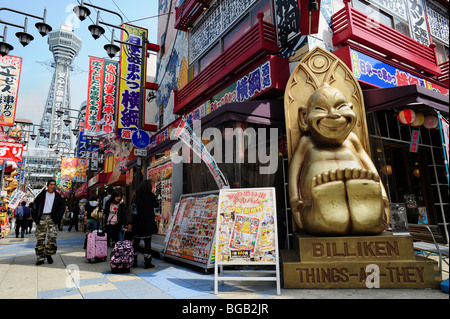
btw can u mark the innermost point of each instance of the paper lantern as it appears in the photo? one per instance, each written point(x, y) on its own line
point(386, 170)
point(431, 122)
point(418, 121)
point(406, 116)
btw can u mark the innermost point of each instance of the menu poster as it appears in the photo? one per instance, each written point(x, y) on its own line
point(161, 178)
point(246, 226)
point(192, 234)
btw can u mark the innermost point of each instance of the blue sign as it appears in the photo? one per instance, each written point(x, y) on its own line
point(83, 146)
point(140, 139)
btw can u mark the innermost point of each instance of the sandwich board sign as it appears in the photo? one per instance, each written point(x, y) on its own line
point(246, 233)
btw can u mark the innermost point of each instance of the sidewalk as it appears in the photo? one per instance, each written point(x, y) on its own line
point(71, 276)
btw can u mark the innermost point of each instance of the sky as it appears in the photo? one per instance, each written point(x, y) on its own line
point(36, 77)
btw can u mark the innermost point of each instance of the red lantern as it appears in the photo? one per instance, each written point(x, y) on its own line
point(406, 116)
point(431, 122)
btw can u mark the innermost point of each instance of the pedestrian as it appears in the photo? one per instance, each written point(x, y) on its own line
point(47, 211)
point(109, 191)
point(29, 220)
point(91, 205)
point(75, 211)
point(144, 224)
point(114, 216)
point(20, 217)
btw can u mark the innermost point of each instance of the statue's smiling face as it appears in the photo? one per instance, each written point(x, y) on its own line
point(330, 117)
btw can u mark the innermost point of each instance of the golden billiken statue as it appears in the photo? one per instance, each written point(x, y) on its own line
point(333, 184)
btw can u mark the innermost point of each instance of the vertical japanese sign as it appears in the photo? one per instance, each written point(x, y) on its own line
point(85, 149)
point(418, 21)
point(100, 106)
point(414, 144)
point(10, 67)
point(132, 78)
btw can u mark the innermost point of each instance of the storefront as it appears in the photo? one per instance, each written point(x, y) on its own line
point(244, 139)
point(408, 155)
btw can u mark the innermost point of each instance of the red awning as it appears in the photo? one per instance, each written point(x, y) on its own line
point(81, 191)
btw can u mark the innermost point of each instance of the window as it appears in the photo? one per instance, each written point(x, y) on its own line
point(373, 12)
point(209, 57)
point(232, 36)
point(264, 7)
point(236, 33)
point(441, 52)
point(401, 27)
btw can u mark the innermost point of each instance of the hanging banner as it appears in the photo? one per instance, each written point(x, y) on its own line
point(101, 100)
point(73, 169)
point(445, 138)
point(132, 78)
point(414, 144)
point(187, 136)
point(10, 151)
point(10, 68)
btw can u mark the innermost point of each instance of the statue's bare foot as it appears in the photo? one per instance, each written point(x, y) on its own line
point(329, 213)
point(366, 205)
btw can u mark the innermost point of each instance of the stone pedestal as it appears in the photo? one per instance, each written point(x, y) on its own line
point(382, 261)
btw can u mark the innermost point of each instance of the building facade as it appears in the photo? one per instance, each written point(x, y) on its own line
point(224, 65)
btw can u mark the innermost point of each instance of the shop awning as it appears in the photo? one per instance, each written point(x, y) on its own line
point(411, 96)
point(117, 178)
point(266, 112)
point(81, 191)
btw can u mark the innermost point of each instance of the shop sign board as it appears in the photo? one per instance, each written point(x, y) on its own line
point(132, 77)
point(10, 151)
point(73, 169)
point(246, 230)
point(258, 81)
point(375, 72)
point(10, 68)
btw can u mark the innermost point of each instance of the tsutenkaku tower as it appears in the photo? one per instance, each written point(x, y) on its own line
point(65, 45)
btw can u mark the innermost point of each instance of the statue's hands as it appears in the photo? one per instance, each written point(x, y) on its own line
point(296, 204)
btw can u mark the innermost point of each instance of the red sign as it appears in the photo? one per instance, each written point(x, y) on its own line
point(414, 145)
point(10, 151)
point(100, 107)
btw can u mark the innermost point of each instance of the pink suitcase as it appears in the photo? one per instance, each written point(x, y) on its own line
point(96, 247)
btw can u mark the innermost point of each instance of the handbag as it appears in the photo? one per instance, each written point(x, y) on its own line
point(95, 214)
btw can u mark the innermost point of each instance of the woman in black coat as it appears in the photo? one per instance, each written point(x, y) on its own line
point(144, 224)
point(114, 217)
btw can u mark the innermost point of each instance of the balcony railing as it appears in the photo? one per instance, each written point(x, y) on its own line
point(351, 24)
point(188, 12)
point(443, 78)
point(257, 43)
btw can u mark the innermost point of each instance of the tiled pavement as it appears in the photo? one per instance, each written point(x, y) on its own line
point(72, 277)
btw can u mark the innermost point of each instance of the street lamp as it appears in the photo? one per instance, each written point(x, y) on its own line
point(24, 37)
point(96, 30)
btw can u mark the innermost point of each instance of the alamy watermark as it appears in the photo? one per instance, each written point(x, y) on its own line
point(234, 145)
